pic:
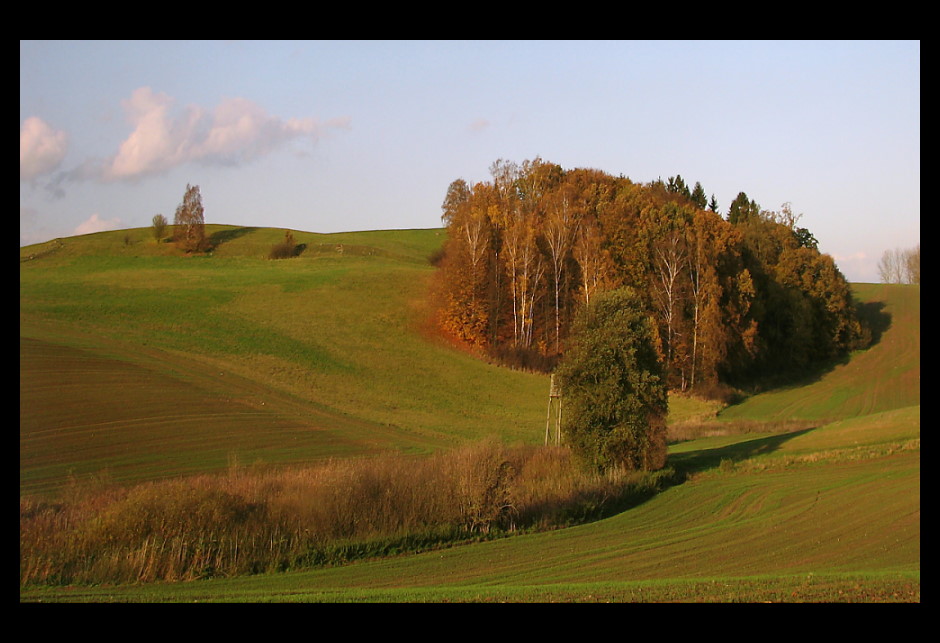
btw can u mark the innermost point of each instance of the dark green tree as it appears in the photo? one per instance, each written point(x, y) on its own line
point(713, 204)
point(676, 185)
point(614, 391)
point(698, 196)
point(805, 238)
point(742, 209)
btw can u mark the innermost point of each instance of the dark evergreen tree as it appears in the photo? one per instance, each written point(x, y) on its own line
point(742, 209)
point(698, 196)
point(713, 204)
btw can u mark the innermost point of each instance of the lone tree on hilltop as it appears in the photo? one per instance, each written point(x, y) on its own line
point(190, 220)
point(159, 227)
point(615, 393)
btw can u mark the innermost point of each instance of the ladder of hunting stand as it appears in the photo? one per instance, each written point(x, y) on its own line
point(554, 399)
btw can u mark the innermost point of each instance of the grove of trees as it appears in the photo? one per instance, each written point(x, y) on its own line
point(900, 266)
point(729, 298)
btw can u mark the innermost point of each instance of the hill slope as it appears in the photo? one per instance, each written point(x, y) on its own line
point(292, 360)
point(324, 355)
point(883, 377)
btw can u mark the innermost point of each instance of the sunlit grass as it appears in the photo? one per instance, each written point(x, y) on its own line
point(140, 364)
point(338, 332)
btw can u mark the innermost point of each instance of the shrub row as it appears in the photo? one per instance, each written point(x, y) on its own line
point(251, 521)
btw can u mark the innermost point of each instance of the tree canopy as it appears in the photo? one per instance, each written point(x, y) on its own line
point(729, 298)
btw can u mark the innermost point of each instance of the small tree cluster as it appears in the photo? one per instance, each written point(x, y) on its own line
point(900, 266)
point(731, 299)
point(284, 249)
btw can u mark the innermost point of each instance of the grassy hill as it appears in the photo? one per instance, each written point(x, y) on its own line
point(323, 355)
point(884, 377)
point(138, 363)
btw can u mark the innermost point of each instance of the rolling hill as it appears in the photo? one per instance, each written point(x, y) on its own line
point(318, 356)
point(140, 363)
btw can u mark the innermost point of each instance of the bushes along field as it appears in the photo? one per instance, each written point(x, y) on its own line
point(252, 521)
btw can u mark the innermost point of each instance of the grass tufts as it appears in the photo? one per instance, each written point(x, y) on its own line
point(250, 521)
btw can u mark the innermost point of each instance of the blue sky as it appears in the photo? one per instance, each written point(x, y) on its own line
point(330, 136)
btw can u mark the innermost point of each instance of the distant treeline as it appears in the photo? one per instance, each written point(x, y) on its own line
point(733, 297)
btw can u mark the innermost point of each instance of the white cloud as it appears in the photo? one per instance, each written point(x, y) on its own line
point(857, 267)
point(41, 148)
point(96, 224)
point(235, 132)
point(155, 144)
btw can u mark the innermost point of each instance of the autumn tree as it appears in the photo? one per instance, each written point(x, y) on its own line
point(729, 298)
point(466, 311)
point(525, 267)
point(593, 260)
point(560, 227)
point(899, 266)
point(458, 193)
point(613, 387)
point(711, 245)
point(190, 220)
point(669, 258)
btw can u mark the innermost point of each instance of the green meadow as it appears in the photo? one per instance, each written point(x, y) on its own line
point(140, 364)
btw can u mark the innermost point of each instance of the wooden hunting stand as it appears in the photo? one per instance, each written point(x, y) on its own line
point(554, 397)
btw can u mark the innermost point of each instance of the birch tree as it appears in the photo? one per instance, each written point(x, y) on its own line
point(189, 220)
point(669, 261)
point(559, 233)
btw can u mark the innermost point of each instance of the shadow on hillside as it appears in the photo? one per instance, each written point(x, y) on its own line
point(873, 317)
point(686, 464)
point(216, 239)
point(875, 322)
point(682, 466)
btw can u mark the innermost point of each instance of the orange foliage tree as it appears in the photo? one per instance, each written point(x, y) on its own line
point(728, 297)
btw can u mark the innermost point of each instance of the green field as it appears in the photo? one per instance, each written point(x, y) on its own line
point(137, 363)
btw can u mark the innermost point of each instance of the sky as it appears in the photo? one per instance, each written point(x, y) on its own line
point(336, 136)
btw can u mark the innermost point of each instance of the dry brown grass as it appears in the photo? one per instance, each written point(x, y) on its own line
point(258, 520)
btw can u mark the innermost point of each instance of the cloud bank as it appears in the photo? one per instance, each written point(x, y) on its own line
point(94, 223)
point(237, 131)
point(41, 148)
